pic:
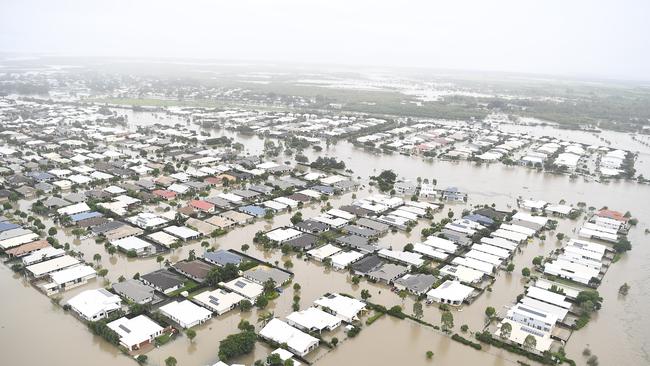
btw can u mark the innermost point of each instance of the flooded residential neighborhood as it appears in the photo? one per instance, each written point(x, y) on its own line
point(188, 210)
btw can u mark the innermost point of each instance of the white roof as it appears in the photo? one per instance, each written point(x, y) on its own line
point(562, 209)
point(72, 274)
point(131, 243)
point(163, 238)
point(52, 265)
point(74, 209)
point(518, 229)
point(185, 312)
point(18, 240)
point(490, 249)
point(500, 243)
point(91, 303)
point(559, 312)
point(218, 300)
point(401, 256)
point(484, 257)
point(530, 218)
point(324, 251)
point(445, 245)
point(548, 297)
point(136, 330)
point(474, 264)
point(462, 273)
point(41, 254)
point(244, 287)
point(181, 231)
point(346, 308)
point(283, 234)
point(451, 290)
point(340, 213)
point(286, 201)
point(510, 235)
point(281, 332)
point(429, 251)
point(341, 260)
point(314, 318)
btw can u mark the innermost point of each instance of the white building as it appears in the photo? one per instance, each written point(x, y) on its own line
point(344, 307)
point(246, 288)
point(450, 292)
point(313, 320)
point(186, 313)
point(219, 301)
point(94, 305)
point(298, 342)
point(136, 332)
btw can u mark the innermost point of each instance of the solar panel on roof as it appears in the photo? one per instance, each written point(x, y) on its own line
point(125, 328)
point(532, 331)
point(240, 284)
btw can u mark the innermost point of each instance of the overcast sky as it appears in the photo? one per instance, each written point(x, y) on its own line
point(599, 38)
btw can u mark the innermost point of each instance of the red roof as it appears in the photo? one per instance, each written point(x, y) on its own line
point(164, 193)
point(212, 180)
point(202, 205)
point(611, 214)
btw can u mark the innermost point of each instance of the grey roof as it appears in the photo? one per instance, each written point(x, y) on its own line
point(358, 242)
point(261, 189)
point(360, 231)
point(418, 283)
point(163, 279)
point(312, 226)
point(261, 274)
point(111, 225)
point(55, 202)
point(223, 257)
point(219, 202)
point(367, 264)
point(304, 241)
point(456, 237)
point(388, 272)
point(375, 225)
point(134, 290)
point(246, 193)
point(356, 210)
point(75, 197)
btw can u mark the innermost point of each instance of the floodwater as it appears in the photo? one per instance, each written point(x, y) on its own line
point(34, 331)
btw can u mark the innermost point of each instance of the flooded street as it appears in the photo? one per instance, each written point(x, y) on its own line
point(37, 332)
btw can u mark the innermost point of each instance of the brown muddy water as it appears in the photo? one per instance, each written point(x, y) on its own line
point(33, 331)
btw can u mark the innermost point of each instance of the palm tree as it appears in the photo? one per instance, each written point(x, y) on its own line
point(160, 259)
point(97, 257)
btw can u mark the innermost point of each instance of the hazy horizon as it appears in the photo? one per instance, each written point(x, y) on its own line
point(582, 39)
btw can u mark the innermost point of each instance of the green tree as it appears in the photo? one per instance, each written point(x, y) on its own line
point(170, 361)
point(261, 302)
point(236, 345)
point(97, 257)
point(447, 320)
point(429, 355)
point(160, 259)
point(525, 272)
point(530, 342)
point(418, 311)
point(52, 231)
point(296, 218)
point(245, 305)
point(365, 294)
point(490, 312)
point(191, 334)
